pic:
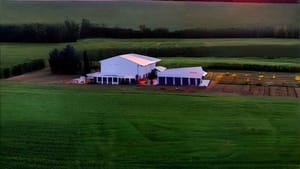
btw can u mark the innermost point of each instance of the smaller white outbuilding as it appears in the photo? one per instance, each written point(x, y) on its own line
point(188, 76)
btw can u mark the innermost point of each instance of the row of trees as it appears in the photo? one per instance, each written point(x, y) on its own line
point(22, 68)
point(64, 61)
point(265, 51)
point(66, 32)
point(70, 31)
point(90, 30)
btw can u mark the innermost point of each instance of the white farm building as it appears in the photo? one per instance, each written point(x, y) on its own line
point(188, 76)
point(133, 68)
point(125, 68)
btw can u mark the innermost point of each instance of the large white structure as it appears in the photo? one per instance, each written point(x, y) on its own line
point(189, 76)
point(124, 69)
point(128, 68)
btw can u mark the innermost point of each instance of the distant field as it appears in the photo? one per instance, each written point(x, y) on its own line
point(120, 127)
point(210, 61)
point(16, 53)
point(172, 15)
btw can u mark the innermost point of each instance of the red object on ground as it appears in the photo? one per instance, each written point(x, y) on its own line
point(142, 81)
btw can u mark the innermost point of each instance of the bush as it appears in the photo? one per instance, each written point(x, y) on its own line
point(94, 65)
point(16, 70)
point(19, 69)
point(37, 64)
point(86, 63)
point(6, 73)
point(64, 61)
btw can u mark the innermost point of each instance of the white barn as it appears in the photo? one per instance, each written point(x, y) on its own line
point(124, 69)
point(188, 76)
point(128, 68)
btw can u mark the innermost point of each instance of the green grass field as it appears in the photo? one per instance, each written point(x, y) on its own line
point(67, 127)
point(16, 53)
point(172, 15)
point(210, 61)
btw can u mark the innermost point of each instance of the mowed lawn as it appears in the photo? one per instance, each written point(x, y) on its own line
point(52, 126)
point(154, 14)
point(17, 53)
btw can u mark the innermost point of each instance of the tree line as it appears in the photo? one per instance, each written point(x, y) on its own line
point(90, 30)
point(71, 31)
point(37, 32)
point(267, 32)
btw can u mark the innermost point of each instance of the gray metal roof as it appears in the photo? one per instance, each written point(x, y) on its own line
point(138, 59)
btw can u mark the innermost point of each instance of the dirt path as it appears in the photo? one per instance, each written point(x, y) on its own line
point(42, 76)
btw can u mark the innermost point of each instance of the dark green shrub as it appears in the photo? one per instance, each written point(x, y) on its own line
point(94, 65)
point(64, 61)
point(22, 68)
point(6, 73)
point(86, 63)
point(27, 67)
point(38, 64)
point(16, 70)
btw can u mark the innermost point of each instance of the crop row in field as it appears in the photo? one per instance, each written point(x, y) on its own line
point(254, 90)
point(249, 83)
point(243, 63)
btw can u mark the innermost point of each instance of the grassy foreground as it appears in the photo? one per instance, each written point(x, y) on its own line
point(120, 127)
point(16, 53)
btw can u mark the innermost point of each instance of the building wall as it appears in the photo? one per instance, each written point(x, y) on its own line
point(179, 81)
point(122, 67)
point(143, 70)
point(118, 66)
